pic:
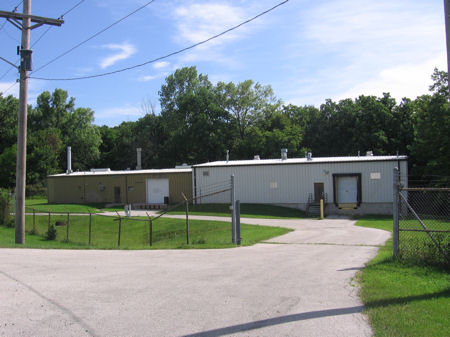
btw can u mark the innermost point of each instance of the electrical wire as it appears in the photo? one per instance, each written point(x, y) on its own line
point(43, 34)
point(14, 84)
point(165, 56)
point(14, 10)
point(93, 36)
point(60, 17)
point(68, 11)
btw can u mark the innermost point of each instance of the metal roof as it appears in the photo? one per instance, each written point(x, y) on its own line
point(301, 161)
point(105, 172)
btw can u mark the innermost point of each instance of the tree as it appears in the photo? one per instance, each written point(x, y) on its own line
point(247, 102)
point(430, 150)
point(8, 121)
point(197, 128)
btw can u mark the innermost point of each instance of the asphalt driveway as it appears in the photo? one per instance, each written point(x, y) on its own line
point(299, 284)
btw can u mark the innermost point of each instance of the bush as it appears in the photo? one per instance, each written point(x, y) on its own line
point(51, 233)
point(36, 191)
point(5, 200)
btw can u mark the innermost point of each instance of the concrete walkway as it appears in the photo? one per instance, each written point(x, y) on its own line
point(299, 284)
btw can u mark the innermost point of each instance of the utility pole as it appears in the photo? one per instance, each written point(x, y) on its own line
point(25, 66)
point(447, 34)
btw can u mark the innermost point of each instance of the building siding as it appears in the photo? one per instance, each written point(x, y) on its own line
point(295, 182)
point(100, 188)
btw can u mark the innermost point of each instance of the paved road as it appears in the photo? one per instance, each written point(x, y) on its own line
point(299, 284)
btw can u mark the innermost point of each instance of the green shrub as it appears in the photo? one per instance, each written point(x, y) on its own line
point(51, 233)
point(36, 191)
point(5, 199)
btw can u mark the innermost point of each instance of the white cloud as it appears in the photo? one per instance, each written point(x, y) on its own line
point(125, 51)
point(147, 78)
point(161, 64)
point(342, 50)
point(115, 115)
point(406, 80)
point(9, 88)
point(197, 22)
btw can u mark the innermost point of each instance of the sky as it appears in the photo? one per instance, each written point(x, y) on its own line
point(307, 50)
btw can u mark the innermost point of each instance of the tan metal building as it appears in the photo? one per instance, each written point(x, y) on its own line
point(163, 186)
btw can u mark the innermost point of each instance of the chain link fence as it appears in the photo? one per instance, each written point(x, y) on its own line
point(424, 225)
point(139, 231)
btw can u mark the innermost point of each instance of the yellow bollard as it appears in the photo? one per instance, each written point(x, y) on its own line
point(321, 209)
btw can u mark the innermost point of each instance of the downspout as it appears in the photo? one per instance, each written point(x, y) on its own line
point(126, 188)
point(84, 188)
point(195, 187)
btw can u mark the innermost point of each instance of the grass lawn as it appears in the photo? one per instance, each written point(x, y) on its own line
point(167, 233)
point(247, 211)
point(42, 205)
point(403, 299)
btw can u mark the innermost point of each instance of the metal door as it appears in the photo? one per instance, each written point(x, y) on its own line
point(157, 189)
point(318, 192)
point(347, 190)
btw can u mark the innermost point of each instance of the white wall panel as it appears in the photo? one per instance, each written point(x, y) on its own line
point(294, 182)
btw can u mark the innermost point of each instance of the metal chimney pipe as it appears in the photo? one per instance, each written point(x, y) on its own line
point(139, 165)
point(69, 159)
point(284, 153)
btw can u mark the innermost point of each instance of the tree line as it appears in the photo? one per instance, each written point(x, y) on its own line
point(199, 121)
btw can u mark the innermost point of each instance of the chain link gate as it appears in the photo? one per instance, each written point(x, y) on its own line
point(421, 223)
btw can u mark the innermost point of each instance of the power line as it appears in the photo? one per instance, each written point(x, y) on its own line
point(96, 34)
point(43, 34)
point(68, 11)
point(60, 17)
point(14, 84)
point(165, 56)
point(14, 10)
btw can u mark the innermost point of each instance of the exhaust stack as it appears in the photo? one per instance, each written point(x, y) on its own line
point(139, 164)
point(69, 160)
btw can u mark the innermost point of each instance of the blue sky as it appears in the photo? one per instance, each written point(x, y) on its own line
point(307, 51)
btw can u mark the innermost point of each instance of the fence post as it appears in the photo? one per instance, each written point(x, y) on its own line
point(48, 219)
point(150, 224)
point(90, 227)
point(34, 221)
point(233, 212)
point(187, 222)
point(151, 232)
point(120, 229)
point(395, 201)
point(238, 222)
point(67, 229)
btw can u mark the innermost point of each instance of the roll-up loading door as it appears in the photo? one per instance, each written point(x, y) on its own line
point(157, 189)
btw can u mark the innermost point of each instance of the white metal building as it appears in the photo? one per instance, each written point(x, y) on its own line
point(358, 185)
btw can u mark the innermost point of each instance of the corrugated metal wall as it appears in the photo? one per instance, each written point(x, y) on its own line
point(105, 188)
point(292, 183)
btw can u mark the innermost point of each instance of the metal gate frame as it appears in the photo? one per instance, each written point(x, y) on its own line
point(401, 204)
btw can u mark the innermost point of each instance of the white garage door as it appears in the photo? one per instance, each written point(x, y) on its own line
point(347, 190)
point(157, 189)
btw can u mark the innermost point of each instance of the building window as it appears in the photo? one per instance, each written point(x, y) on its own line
point(206, 173)
point(273, 185)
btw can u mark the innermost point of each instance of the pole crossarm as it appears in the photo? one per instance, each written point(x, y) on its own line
point(39, 20)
